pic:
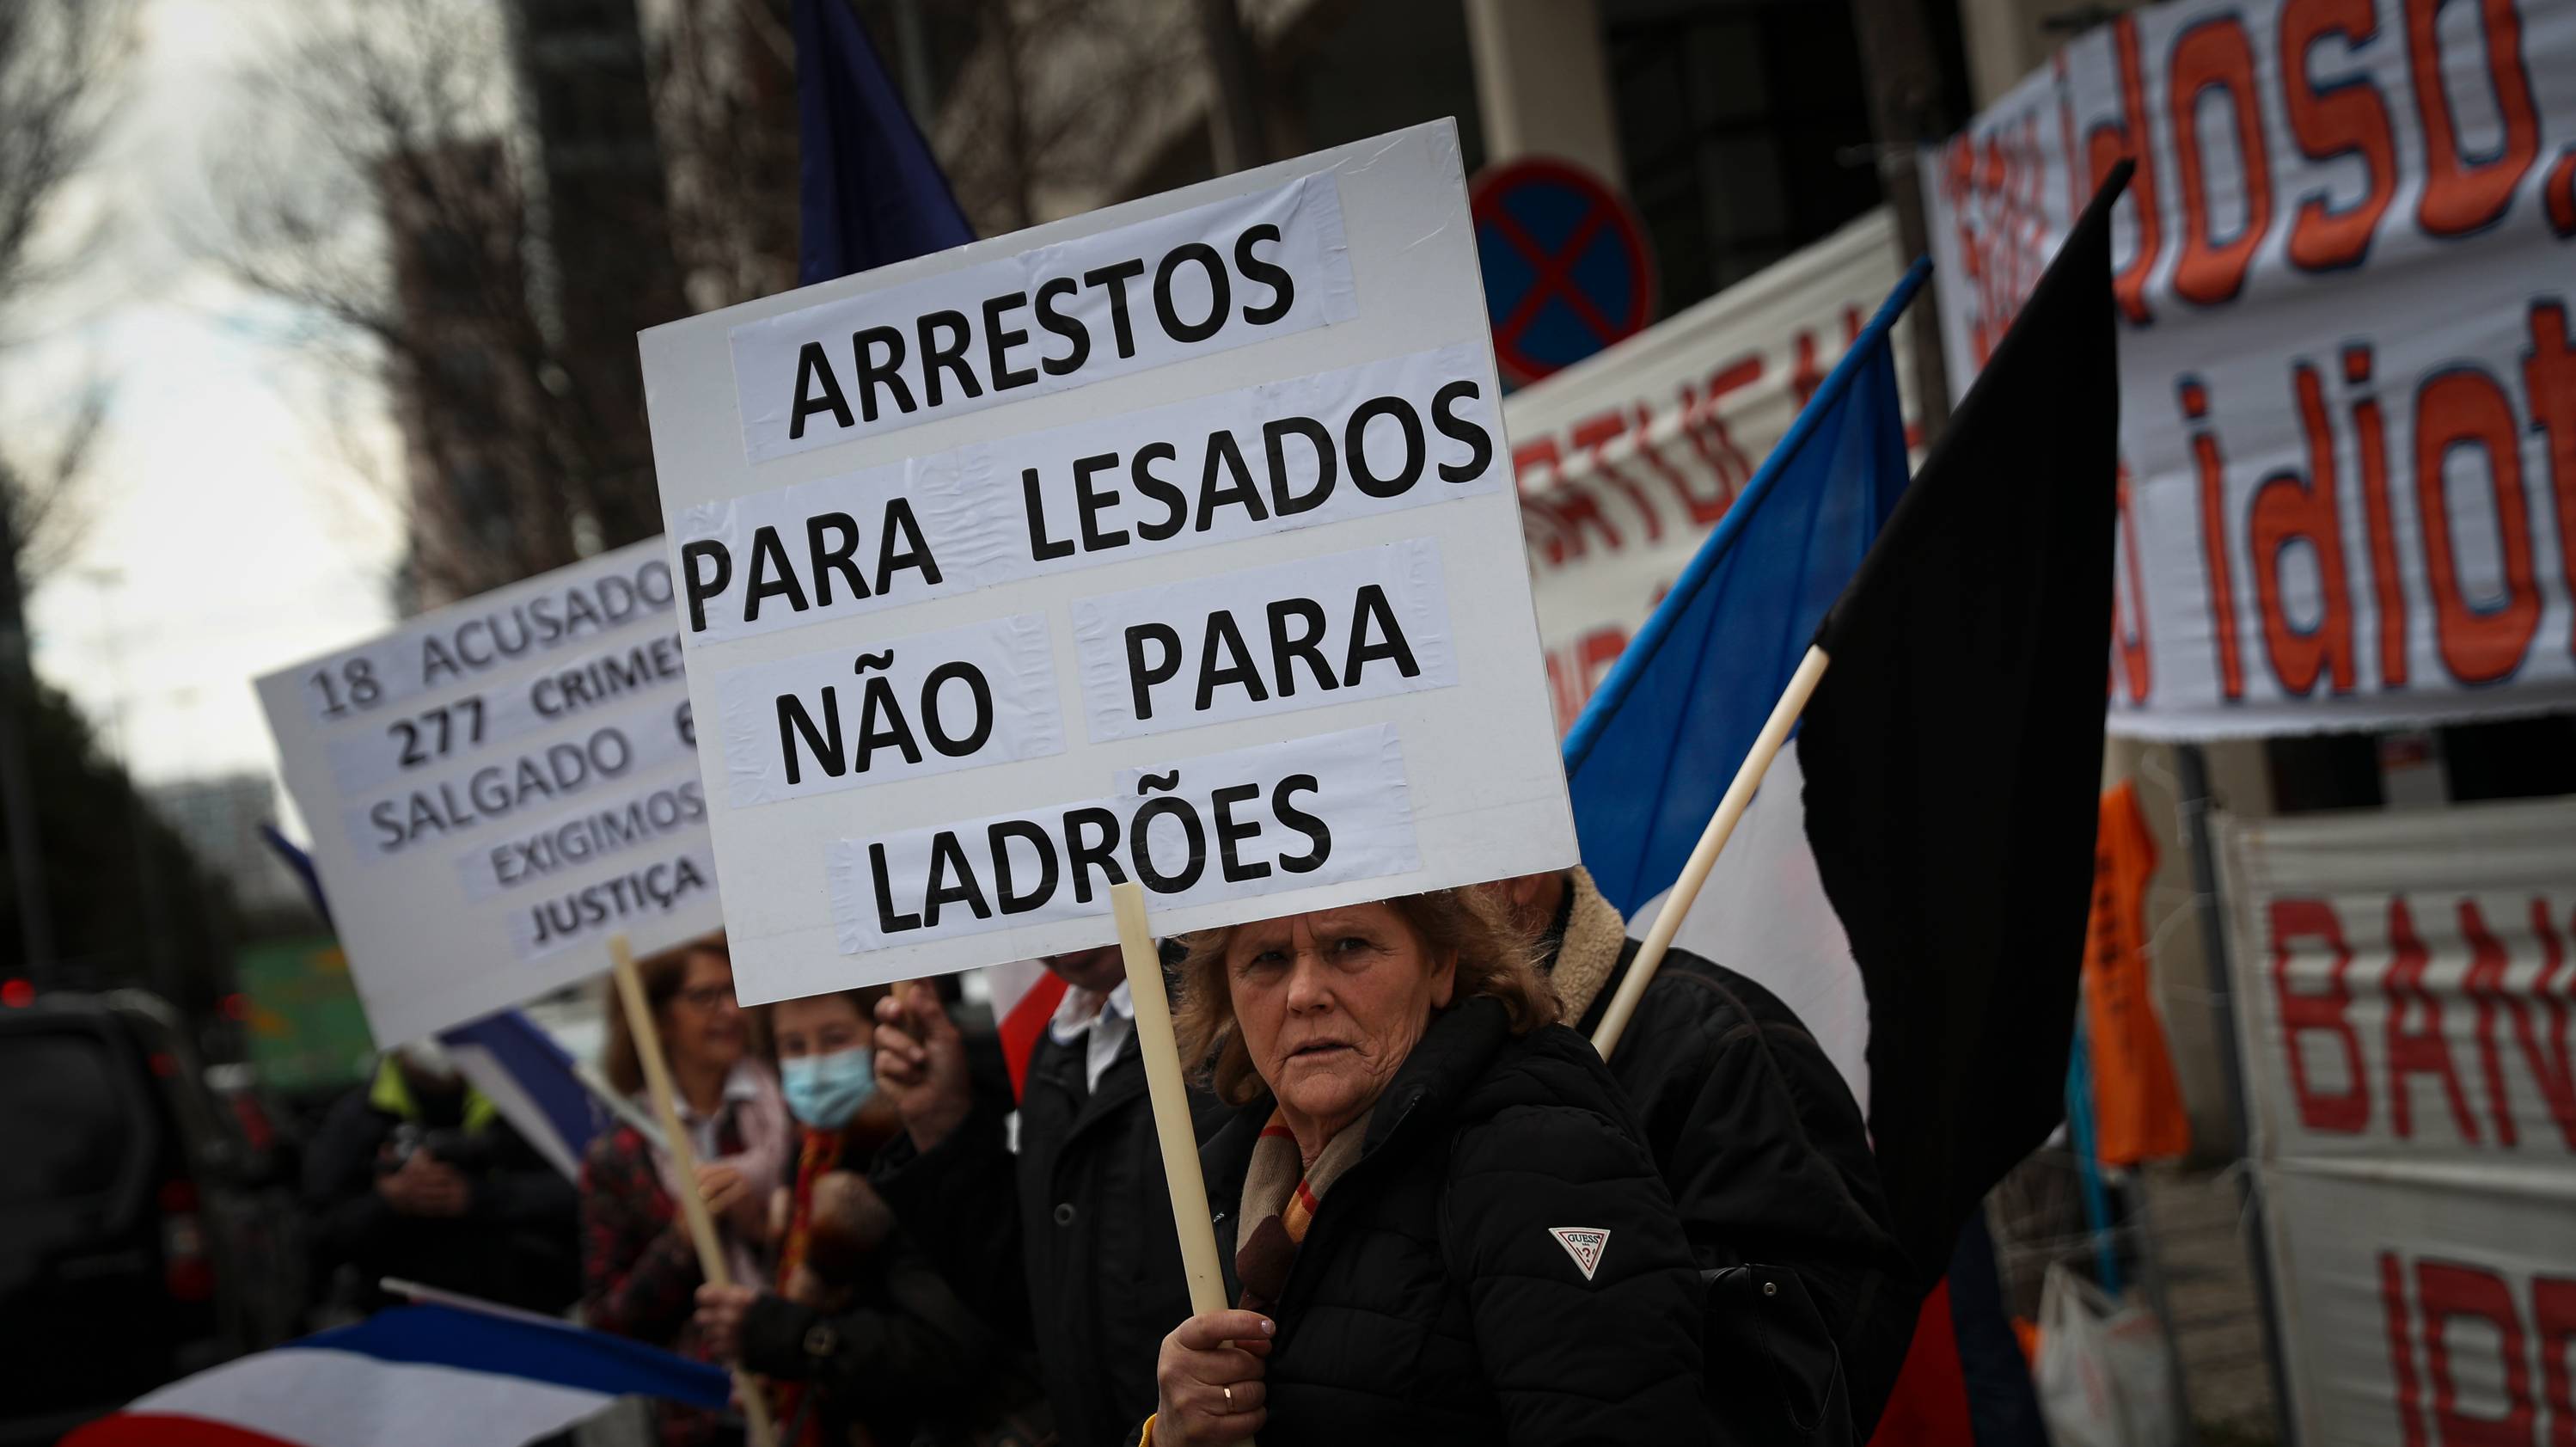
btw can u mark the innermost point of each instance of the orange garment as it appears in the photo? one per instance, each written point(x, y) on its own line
point(819, 1151)
point(2137, 1103)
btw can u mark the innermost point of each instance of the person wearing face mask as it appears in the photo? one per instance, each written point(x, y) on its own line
point(827, 1070)
point(860, 1333)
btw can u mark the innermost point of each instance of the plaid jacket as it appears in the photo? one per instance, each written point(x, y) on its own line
point(639, 1274)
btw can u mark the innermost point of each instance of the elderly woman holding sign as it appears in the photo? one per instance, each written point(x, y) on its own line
point(1440, 1222)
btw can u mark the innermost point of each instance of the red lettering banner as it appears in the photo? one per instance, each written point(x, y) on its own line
point(2349, 378)
point(2406, 1010)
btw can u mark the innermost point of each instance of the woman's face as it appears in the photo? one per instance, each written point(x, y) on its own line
point(1330, 1003)
point(701, 1023)
point(819, 1025)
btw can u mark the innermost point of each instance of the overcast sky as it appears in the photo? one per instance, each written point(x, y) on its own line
point(229, 530)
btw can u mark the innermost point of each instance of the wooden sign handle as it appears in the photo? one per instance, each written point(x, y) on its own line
point(684, 1164)
point(1171, 1098)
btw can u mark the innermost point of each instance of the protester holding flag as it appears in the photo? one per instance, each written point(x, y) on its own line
point(1766, 1155)
point(639, 1268)
point(1061, 1244)
point(415, 1175)
point(1443, 1227)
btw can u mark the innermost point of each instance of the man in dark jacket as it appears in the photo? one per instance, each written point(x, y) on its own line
point(415, 1175)
point(1767, 1156)
point(1069, 1245)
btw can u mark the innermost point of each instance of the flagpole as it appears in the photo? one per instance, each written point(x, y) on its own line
point(1721, 825)
point(684, 1165)
point(421, 1294)
point(1169, 1092)
point(616, 1104)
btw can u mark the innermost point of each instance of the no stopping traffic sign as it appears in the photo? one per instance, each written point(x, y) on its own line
point(1566, 267)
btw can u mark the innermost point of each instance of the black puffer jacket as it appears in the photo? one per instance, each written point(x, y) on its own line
point(1769, 1162)
point(1068, 1246)
point(1431, 1300)
point(904, 1360)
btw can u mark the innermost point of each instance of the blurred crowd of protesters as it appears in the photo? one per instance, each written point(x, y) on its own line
point(1526, 1245)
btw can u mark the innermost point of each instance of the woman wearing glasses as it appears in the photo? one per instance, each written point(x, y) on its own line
point(639, 1270)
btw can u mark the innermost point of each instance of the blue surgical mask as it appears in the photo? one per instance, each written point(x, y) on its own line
point(826, 1090)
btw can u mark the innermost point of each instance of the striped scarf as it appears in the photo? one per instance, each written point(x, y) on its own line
point(1287, 1193)
point(818, 1152)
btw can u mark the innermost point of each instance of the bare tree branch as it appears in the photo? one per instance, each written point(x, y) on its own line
point(57, 58)
point(1042, 115)
point(58, 63)
point(375, 190)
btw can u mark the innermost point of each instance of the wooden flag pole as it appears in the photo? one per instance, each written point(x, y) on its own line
point(684, 1163)
point(1721, 825)
point(1170, 1095)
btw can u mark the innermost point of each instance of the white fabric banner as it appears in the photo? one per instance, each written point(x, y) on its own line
point(1627, 460)
point(2348, 410)
point(2404, 1017)
point(2422, 1312)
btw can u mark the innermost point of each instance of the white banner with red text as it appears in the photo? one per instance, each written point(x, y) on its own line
point(1627, 460)
point(2404, 1000)
point(2422, 1312)
point(2348, 414)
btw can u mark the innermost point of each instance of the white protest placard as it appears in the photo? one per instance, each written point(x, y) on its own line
point(1175, 543)
point(496, 788)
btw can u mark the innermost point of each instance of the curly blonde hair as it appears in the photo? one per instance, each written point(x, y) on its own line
point(1495, 959)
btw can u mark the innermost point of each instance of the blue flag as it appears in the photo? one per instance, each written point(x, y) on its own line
point(302, 863)
point(1658, 744)
point(530, 1080)
point(872, 192)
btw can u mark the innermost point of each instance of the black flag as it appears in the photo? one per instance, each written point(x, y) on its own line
point(1953, 754)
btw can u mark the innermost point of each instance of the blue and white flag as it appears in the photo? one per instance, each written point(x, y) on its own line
point(1665, 733)
point(530, 1080)
point(1915, 875)
point(414, 1376)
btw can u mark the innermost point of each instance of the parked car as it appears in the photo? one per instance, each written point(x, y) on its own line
point(142, 1236)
